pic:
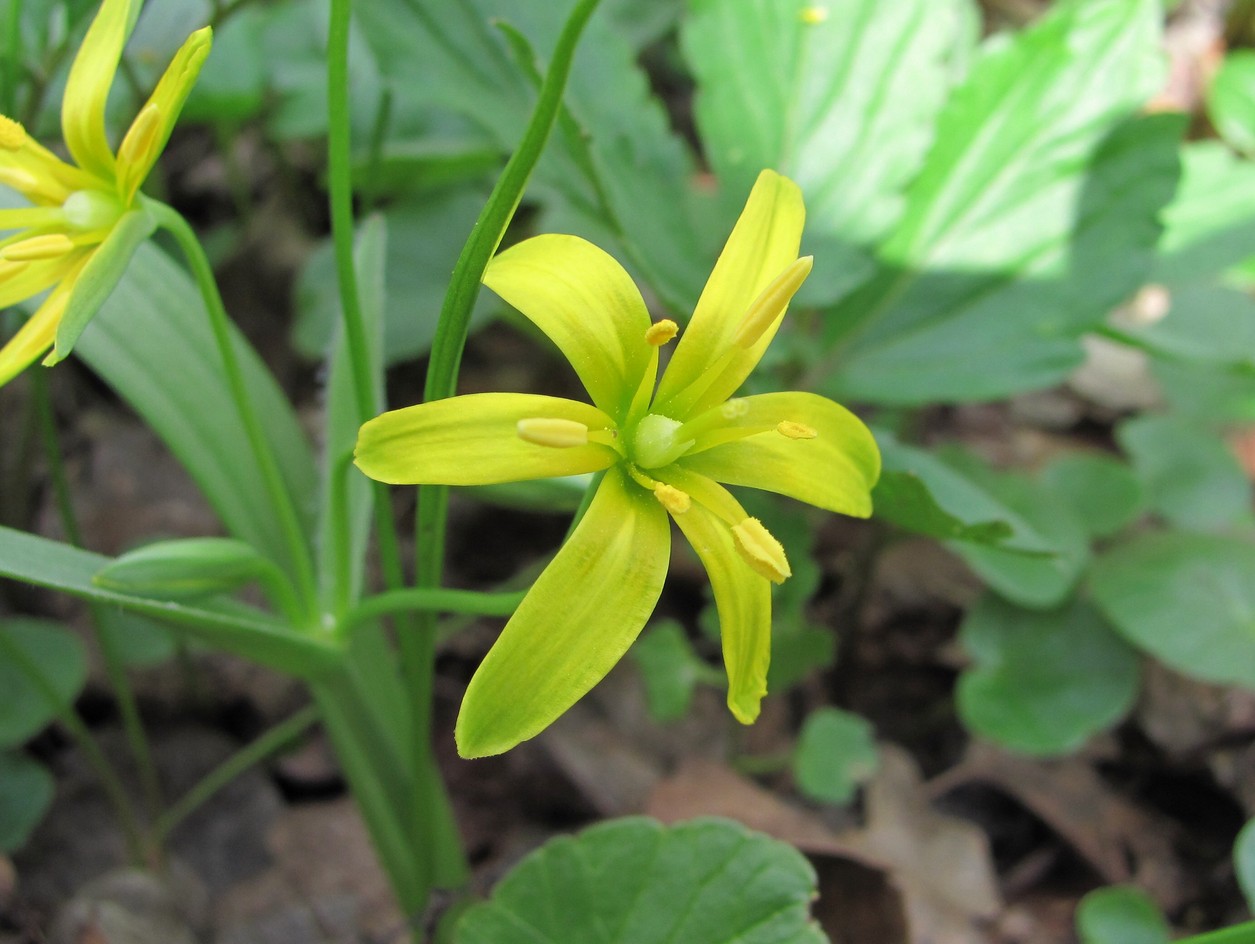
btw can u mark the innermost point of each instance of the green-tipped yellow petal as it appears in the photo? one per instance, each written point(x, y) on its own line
point(577, 621)
point(98, 278)
point(742, 597)
point(34, 337)
point(151, 129)
point(87, 88)
point(763, 246)
point(834, 469)
point(474, 440)
point(588, 305)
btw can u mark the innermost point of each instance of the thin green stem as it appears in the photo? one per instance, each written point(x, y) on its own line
point(432, 600)
point(301, 561)
point(114, 791)
point(128, 706)
point(251, 754)
point(1238, 934)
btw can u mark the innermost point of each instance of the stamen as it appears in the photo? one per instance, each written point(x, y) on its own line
point(138, 143)
point(792, 430)
point(15, 178)
point(770, 302)
point(672, 499)
point(12, 134)
point(660, 332)
point(553, 432)
point(48, 246)
point(761, 551)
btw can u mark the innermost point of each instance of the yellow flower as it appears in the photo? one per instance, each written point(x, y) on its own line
point(664, 452)
point(87, 217)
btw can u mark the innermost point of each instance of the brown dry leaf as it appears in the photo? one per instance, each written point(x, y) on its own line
point(1107, 830)
point(941, 865)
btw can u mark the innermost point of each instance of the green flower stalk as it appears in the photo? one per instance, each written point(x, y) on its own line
point(664, 450)
point(87, 218)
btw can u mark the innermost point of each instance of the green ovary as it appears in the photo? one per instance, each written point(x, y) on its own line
point(654, 442)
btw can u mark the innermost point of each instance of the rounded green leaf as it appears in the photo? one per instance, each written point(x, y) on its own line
point(669, 668)
point(635, 881)
point(1244, 862)
point(1102, 489)
point(58, 656)
point(835, 753)
point(1120, 915)
point(1043, 682)
point(1188, 599)
point(1231, 100)
point(26, 789)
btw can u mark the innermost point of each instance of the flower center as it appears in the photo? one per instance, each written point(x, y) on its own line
point(91, 209)
point(656, 441)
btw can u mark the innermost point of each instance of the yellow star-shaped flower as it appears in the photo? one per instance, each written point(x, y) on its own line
point(87, 217)
point(664, 450)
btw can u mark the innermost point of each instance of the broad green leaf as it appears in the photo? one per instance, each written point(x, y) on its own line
point(1121, 914)
point(1210, 324)
point(1043, 682)
point(58, 656)
point(424, 236)
point(836, 751)
point(1187, 599)
point(635, 881)
point(1035, 213)
point(1244, 862)
point(1036, 581)
point(1231, 100)
point(1101, 489)
point(1210, 224)
point(227, 625)
point(669, 668)
point(1205, 392)
point(843, 103)
point(1190, 476)
point(152, 343)
point(920, 493)
point(137, 640)
point(26, 791)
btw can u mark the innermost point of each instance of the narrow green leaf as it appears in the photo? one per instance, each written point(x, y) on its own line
point(26, 791)
point(152, 343)
point(1043, 682)
point(841, 97)
point(708, 881)
point(1187, 599)
point(1231, 100)
point(183, 569)
point(1121, 914)
point(58, 655)
point(1035, 213)
point(1190, 476)
point(234, 627)
point(836, 751)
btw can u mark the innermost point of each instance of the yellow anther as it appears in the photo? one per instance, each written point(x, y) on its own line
point(792, 430)
point(660, 332)
point(734, 409)
point(813, 16)
point(12, 134)
point(770, 302)
point(760, 550)
point(553, 432)
point(48, 246)
point(672, 499)
point(140, 139)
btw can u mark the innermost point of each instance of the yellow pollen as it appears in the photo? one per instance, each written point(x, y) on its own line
point(792, 430)
point(760, 550)
point(48, 246)
point(672, 499)
point(553, 432)
point(660, 332)
point(12, 134)
point(138, 143)
point(771, 302)
point(813, 16)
